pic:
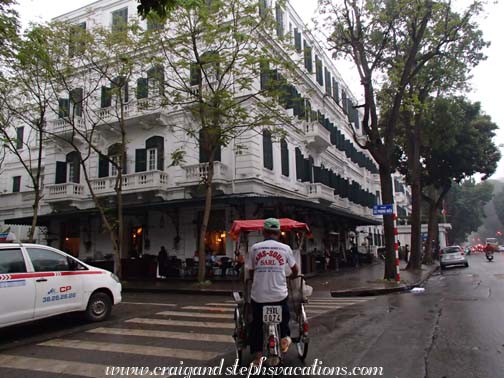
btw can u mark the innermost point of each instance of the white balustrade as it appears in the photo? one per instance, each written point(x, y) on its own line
point(133, 182)
point(199, 172)
point(66, 191)
point(320, 191)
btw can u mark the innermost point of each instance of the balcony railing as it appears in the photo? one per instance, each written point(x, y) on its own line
point(316, 136)
point(320, 191)
point(133, 182)
point(64, 192)
point(197, 173)
point(131, 109)
point(64, 127)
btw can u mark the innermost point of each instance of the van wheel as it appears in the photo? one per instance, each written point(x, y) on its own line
point(99, 307)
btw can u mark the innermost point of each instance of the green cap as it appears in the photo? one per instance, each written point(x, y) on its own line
point(272, 224)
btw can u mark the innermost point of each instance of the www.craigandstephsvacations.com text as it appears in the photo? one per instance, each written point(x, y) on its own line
point(317, 368)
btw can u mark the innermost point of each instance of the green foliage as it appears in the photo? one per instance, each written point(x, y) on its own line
point(9, 27)
point(164, 7)
point(465, 204)
point(499, 205)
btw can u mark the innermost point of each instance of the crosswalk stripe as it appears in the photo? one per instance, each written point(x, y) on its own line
point(349, 299)
point(151, 304)
point(195, 314)
point(329, 307)
point(334, 303)
point(312, 311)
point(182, 323)
point(144, 350)
point(164, 334)
point(52, 366)
point(221, 304)
point(208, 308)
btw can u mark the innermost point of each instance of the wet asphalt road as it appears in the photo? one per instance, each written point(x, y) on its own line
point(454, 329)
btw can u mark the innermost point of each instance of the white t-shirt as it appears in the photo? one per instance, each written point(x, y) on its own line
point(269, 260)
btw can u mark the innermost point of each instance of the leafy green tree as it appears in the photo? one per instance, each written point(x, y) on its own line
point(9, 29)
point(215, 54)
point(499, 205)
point(390, 44)
point(457, 144)
point(464, 205)
point(163, 7)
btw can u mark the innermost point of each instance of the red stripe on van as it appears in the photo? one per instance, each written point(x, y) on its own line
point(51, 274)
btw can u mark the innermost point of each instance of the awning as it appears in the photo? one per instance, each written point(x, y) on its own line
point(286, 224)
point(233, 199)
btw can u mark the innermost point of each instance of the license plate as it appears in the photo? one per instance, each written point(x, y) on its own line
point(272, 314)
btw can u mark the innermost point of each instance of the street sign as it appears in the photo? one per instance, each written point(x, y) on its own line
point(424, 236)
point(383, 209)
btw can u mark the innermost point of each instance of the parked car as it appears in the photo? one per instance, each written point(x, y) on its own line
point(38, 281)
point(501, 248)
point(453, 255)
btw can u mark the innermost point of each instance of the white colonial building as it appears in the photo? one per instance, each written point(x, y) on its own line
point(316, 174)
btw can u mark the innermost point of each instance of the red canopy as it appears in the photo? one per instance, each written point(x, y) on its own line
point(286, 224)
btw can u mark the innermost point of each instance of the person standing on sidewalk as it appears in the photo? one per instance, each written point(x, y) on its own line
point(266, 264)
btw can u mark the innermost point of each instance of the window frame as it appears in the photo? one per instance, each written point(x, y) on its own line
point(16, 184)
point(152, 155)
point(2, 252)
point(36, 267)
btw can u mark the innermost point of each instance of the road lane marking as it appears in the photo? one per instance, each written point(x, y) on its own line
point(208, 308)
point(220, 304)
point(164, 334)
point(329, 307)
point(150, 304)
point(195, 314)
point(144, 350)
point(182, 323)
point(81, 369)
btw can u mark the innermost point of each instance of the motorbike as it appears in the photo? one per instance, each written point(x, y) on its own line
point(489, 255)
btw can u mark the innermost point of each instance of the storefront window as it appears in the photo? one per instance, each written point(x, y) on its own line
point(215, 241)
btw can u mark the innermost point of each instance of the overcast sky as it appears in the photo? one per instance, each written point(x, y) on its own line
point(488, 82)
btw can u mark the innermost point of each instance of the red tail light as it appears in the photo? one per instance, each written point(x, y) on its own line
point(271, 341)
point(305, 328)
point(462, 253)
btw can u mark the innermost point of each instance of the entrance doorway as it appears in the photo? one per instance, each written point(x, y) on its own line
point(70, 238)
point(136, 241)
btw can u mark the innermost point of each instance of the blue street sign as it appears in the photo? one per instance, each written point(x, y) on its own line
point(424, 236)
point(383, 209)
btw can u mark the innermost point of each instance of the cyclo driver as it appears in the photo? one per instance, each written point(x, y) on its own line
point(266, 264)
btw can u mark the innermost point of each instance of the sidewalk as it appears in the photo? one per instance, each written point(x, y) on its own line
point(362, 281)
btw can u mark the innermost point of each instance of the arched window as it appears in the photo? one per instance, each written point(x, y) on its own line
point(150, 158)
point(108, 164)
point(267, 150)
point(284, 149)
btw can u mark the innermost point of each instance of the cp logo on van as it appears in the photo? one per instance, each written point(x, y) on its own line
point(64, 289)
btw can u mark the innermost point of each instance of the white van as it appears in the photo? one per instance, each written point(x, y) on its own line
point(37, 281)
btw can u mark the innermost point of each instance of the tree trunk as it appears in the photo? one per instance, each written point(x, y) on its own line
point(431, 231)
point(35, 207)
point(388, 224)
point(415, 261)
point(204, 223)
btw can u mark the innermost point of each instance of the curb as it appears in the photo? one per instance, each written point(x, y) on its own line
point(366, 292)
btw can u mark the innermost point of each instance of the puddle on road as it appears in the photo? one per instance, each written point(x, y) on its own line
point(499, 276)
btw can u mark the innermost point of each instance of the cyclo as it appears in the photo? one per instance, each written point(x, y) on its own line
point(298, 293)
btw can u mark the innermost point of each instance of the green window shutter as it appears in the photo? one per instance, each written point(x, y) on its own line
point(318, 71)
point(157, 74)
point(19, 137)
point(61, 172)
point(344, 102)
point(63, 108)
point(284, 148)
point(267, 150)
point(140, 160)
point(327, 81)
point(279, 20)
point(73, 158)
point(76, 96)
point(299, 165)
point(297, 40)
point(308, 62)
point(119, 20)
point(142, 88)
point(263, 6)
point(335, 90)
point(307, 110)
point(106, 97)
point(195, 74)
point(103, 166)
point(16, 184)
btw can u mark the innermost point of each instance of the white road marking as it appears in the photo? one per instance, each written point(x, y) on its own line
point(195, 314)
point(144, 350)
point(208, 308)
point(329, 307)
point(52, 366)
point(220, 304)
point(164, 334)
point(150, 304)
point(182, 323)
